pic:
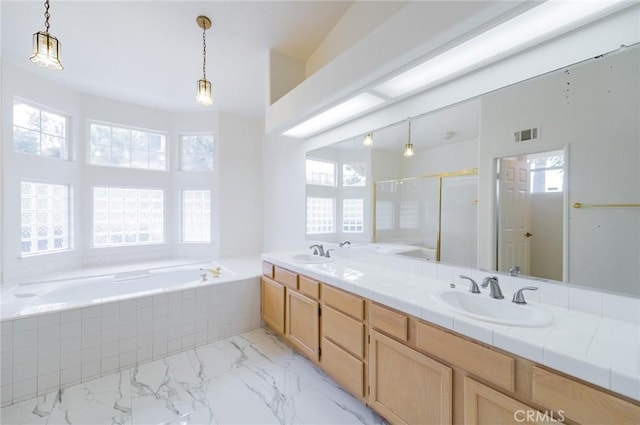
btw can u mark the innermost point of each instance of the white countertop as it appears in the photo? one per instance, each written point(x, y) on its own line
point(599, 350)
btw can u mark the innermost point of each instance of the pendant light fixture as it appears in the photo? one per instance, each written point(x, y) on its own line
point(368, 140)
point(408, 148)
point(204, 96)
point(46, 48)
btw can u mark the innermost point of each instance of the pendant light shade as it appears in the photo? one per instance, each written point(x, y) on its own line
point(408, 147)
point(368, 140)
point(46, 48)
point(204, 95)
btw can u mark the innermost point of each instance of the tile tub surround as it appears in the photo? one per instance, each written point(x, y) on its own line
point(601, 349)
point(43, 352)
point(250, 378)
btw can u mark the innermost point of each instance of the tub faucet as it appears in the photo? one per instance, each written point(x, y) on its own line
point(318, 249)
point(495, 291)
point(214, 272)
point(344, 243)
point(514, 271)
point(203, 276)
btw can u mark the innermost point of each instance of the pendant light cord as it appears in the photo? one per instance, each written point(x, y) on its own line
point(204, 54)
point(46, 15)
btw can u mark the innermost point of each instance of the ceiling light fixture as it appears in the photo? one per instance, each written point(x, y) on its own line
point(408, 148)
point(204, 96)
point(46, 48)
point(549, 19)
point(340, 112)
point(368, 140)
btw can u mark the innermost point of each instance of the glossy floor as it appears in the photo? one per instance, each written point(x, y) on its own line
point(252, 378)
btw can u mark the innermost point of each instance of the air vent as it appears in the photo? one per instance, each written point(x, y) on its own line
point(526, 135)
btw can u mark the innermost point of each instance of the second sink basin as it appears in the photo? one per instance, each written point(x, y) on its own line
point(310, 259)
point(503, 312)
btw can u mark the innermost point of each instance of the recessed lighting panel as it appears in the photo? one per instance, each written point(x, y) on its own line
point(340, 112)
point(540, 22)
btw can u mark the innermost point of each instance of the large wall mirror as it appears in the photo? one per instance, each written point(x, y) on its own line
point(572, 136)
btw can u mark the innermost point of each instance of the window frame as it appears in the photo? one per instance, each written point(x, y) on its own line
point(180, 152)
point(67, 151)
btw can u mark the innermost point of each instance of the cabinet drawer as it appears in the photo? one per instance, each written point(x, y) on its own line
point(344, 302)
point(343, 367)
point(267, 269)
point(389, 322)
point(309, 287)
point(580, 402)
point(341, 329)
point(480, 361)
point(285, 277)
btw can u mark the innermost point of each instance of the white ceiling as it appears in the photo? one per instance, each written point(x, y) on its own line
point(150, 52)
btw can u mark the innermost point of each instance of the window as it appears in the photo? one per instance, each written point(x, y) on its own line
point(353, 175)
point(196, 216)
point(321, 173)
point(196, 153)
point(44, 217)
point(321, 215)
point(547, 172)
point(408, 214)
point(127, 216)
point(127, 148)
point(353, 215)
point(38, 132)
point(384, 215)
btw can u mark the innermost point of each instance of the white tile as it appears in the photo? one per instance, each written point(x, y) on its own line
point(6, 360)
point(160, 310)
point(444, 272)
point(145, 314)
point(578, 367)
point(6, 342)
point(6, 375)
point(33, 411)
point(110, 335)
point(25, 355)
point(48, 382)
point(625, 384)
point(621, 308)
point(160, 299)
point(521, 347)
point(90, 354)
point(6, 397)
point(144, 340)
point(144, 302)
point(25, 339)
point(48, 320)
point(555, 294)
point(71, 329)
point(91, 339)
point(69, 345)
point(109, 364)
point(585, 300)
point(24, 390)
point(110, 321)
point(71, 360)
point(49, 364)
point(91, 325)
point(70, 376)
point(6, 327)
point(91, 312)
point(128, 344)
point(69, 316)
point(24, 371)
point(90, 370)
point(127, 359)
point(26, 324)
point(144, 354)
point(477, 331)
point(109, 309)
point(109, 349)
point(46, 335)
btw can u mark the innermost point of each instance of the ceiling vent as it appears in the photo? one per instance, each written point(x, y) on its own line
point(526, 135)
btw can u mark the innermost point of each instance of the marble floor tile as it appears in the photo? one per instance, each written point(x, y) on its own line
point(252, 378)
point(106, 400)
point(165, 390)
point(29, 412)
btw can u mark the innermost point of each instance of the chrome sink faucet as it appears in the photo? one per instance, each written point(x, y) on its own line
point(318, 249)
point(494, 287)
point(474, 286)
point(514, 271)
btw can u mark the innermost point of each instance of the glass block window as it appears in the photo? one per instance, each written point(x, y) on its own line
point(196, 153)
point(127, 148)
point(384, 215)
point(321, 215)
point(127, 216)
point(408, 214)
point(196, 216)
point(44, 217)
point(352, 215)
point(354, 175)
point(39, 132)
point(322, 173)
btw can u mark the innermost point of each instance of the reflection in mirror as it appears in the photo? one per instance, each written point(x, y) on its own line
point(530, 205)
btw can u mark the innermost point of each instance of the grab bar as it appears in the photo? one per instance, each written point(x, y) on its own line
point(581, 205)
point(127, 277)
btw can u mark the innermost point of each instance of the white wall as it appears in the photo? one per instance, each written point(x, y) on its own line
point(283, 191)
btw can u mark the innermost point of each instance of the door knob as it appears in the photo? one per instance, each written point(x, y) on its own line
point(528, 235)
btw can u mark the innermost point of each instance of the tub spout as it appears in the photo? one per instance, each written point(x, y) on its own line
point(214, 272)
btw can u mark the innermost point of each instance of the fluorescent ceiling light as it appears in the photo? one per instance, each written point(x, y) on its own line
point(528, 27)
point(344, 110)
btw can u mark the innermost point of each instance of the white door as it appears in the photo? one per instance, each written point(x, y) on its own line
point(513, 226)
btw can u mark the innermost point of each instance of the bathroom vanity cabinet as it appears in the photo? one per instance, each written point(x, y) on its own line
point(412, 371)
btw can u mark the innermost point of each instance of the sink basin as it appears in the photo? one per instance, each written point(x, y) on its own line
point(310, 259)
point(503, 312)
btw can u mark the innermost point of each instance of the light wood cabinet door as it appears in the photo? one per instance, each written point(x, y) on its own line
point(303, 324)
point(407, 387)
point(486, 406)
point(273, 302)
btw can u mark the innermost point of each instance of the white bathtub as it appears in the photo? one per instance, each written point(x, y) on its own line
point(114, 286)
point(94, 325)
